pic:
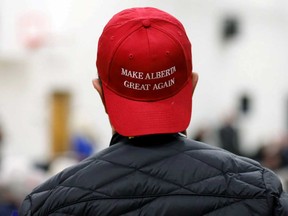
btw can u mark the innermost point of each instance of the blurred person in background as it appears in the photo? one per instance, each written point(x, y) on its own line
point(274, 154)
point(151, 168)
point(17, 178)
point(229, 136)
point(1, 144)
point(200, 134)
point(83, 142)
point(284, 150)
point(271, 156)
point(8, 203)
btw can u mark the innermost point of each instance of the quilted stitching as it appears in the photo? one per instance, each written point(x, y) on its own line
point(196, 154)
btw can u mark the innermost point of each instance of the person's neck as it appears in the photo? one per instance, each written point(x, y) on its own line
point(115, 132)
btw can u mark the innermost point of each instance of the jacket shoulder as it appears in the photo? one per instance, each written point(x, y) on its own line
point(64, 186)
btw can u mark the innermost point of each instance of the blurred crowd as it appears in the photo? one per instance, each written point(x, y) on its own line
point(272, 154)
point(19, 175)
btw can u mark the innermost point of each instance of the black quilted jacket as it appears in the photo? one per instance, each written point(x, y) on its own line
point(160, 175)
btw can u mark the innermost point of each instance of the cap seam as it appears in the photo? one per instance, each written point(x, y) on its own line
point(115, 50)
point(179, 43)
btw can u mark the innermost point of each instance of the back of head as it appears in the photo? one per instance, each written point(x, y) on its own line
point(144, 62)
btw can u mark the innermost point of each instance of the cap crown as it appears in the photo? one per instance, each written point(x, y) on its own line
point(144, 54)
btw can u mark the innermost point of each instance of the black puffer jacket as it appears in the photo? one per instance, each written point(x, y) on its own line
point(160, 175)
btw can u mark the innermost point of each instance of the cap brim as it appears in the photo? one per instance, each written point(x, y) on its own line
point(136, 118)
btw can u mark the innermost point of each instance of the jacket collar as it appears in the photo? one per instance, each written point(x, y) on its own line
point(159, 138)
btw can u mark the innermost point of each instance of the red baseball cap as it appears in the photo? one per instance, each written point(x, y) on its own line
point(144, 61)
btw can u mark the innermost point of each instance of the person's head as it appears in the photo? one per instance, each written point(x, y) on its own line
point(145, 68)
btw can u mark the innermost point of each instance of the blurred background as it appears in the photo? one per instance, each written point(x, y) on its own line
point(51, 117)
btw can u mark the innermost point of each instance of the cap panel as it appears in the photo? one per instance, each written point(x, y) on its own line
point(108, 44)
point(149, 65)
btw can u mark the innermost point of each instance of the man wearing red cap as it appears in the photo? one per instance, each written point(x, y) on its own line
point(146, 84)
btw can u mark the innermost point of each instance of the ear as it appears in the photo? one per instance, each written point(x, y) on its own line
point(97, 85)
point(195, 78)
